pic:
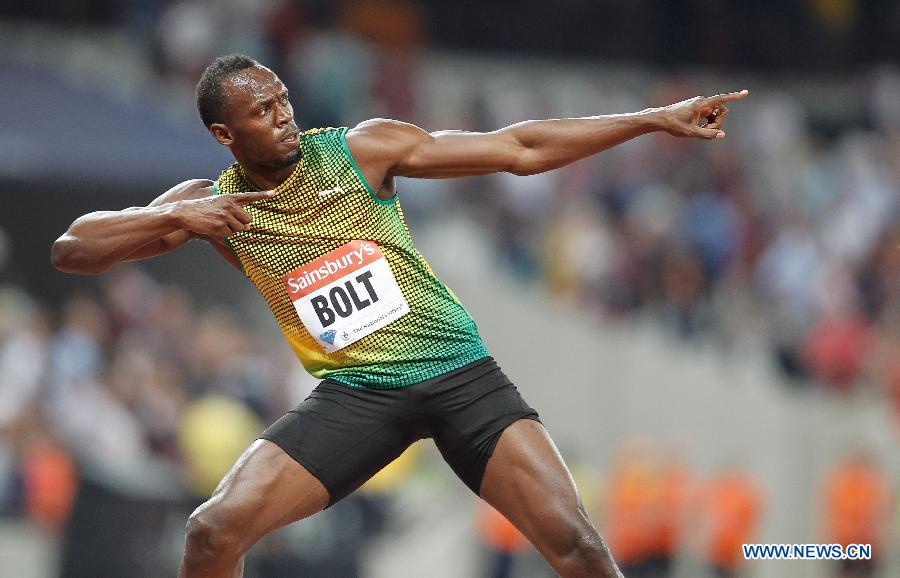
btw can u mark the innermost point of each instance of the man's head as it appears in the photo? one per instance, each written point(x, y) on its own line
point(246, 108)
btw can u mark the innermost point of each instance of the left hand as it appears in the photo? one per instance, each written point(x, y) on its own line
point(699, 117)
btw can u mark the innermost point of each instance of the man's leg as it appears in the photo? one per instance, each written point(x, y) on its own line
point(265, 490)
point(527, 481)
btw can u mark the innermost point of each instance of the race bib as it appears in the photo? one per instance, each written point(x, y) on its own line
point(345, 295)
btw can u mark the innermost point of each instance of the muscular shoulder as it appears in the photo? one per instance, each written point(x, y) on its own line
point(187, 190)
point(384, 140)
point(383, 127)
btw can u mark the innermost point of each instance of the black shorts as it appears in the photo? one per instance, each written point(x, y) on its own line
point(345, 435)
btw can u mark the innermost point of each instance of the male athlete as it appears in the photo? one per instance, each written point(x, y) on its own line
point(312, 219)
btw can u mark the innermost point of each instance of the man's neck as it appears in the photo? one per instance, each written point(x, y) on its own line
point(266, 179)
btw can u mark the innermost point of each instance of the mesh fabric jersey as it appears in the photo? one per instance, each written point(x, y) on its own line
point(324, 205)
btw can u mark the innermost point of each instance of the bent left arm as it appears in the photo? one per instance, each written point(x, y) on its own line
point(386, 148)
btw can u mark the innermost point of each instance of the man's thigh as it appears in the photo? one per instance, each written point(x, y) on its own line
point(527, 481)
point(264, 490)
point(344, 435)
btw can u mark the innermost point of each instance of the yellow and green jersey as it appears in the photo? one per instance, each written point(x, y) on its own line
point(355, 299)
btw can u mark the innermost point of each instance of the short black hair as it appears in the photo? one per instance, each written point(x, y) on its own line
point(210, 97)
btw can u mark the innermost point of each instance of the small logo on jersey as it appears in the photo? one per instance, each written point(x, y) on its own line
point(336, 190)
point(345, 335)
point(328, 336)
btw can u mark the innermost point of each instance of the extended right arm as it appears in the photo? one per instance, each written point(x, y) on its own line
point(97, 241)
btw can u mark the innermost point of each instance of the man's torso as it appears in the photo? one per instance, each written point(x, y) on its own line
point(337, 266)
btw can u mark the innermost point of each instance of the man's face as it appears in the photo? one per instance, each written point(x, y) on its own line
point(260, 120)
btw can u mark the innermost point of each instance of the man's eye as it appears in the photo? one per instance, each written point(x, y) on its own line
point(263, 110)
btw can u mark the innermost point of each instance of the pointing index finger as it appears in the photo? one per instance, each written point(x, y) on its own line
point(731, 96)
point(251, 196)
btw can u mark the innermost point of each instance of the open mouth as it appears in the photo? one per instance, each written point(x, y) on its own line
point(291, 137)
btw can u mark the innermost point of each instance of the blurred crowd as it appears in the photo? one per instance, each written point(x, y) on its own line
point(787, 240)
point(661, 519)
point(821, 35)
point(121, 410)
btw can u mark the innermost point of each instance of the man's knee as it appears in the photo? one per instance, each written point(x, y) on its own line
point(583, 543)
point(583, 552)
point(208, 534)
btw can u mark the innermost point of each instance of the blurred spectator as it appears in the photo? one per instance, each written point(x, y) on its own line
point(729, 514)
point(669, 530)
point(501, 542)
point(24, 339)
point(24, 343)
point(77, 351)
point(214, 432)
point(856, 504)
point(49, 481)
point(645, 506)
point(186, 32)
point(836, 350)
point(395, 29)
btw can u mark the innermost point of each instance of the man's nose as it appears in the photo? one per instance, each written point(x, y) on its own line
point(284, 116)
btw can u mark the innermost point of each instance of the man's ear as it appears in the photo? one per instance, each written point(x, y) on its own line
point(221, 133)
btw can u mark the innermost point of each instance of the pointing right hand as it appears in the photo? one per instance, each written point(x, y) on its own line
point(699, 117)
point(220, 215)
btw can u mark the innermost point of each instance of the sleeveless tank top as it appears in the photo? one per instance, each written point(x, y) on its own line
point(355, 299)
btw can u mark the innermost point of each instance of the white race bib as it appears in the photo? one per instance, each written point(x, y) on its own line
point(345, 295)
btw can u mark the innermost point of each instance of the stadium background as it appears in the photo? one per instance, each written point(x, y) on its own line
point(711, 331)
